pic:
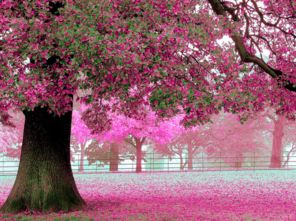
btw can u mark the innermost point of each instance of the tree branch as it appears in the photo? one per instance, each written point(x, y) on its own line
point(247, 57)
point(289, 154)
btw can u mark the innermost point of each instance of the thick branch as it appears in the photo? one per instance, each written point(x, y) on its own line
point(142, 140)
point(130, 141)
point(247, 57)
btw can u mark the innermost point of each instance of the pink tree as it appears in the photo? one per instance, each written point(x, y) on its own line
point(170, 51)
point(106, 153)
point(11, 135)
point(283, 134)
point(196, 139)
point(137, 131)
point(190, 139)
point(81, 134)
point(277, 140)
point(231, 140)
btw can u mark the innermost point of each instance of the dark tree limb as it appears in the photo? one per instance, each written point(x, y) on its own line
point(246, 56)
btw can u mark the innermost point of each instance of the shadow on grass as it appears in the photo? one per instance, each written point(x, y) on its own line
point(81, 215)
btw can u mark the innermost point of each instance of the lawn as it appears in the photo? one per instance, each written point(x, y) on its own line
point(231, 195)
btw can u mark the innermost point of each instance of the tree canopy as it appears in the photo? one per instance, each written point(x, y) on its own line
point(195, 57)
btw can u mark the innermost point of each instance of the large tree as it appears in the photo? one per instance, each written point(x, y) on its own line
point(126, 50)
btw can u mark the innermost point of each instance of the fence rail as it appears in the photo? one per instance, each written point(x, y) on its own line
point(154, 162)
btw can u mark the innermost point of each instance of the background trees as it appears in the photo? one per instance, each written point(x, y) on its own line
point(106, 153)
point(185, 145)
point(136, 132)
point(226, 139)
point(233, 141)
point(11, 135)
point(283, 140)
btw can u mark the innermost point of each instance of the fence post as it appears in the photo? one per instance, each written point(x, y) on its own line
point(254, 161)
point(202, 161)
point(133, 165)
point(2, 160)
point(153, 160)
point(220, 161)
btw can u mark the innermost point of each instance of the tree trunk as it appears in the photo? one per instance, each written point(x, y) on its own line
point(277, 146)
point(81, 164)
point(238, 164)
point(238, 160)
point(114, 157)
point(138, 155)
point(44, 180)
point(190, 157)
point(181, 159)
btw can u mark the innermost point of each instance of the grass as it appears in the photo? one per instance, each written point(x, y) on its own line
point(232, 195)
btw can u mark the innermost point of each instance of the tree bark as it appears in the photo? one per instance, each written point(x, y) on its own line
point(238, 160)
point(277, 143)
point(138, 155)
point(44, 180)
point(190, 157)
point(238, 164)
point(81, 164)
point(114, 157)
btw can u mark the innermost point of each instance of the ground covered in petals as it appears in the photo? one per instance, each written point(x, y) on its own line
point(231, 195)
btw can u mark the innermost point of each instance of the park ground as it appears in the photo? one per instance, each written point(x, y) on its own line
point(229, 195)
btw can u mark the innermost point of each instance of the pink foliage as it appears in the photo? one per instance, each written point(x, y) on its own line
point(171, 51)
point(79, 130)
point(231, 139)
point(11, 136)
point(150, 127)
